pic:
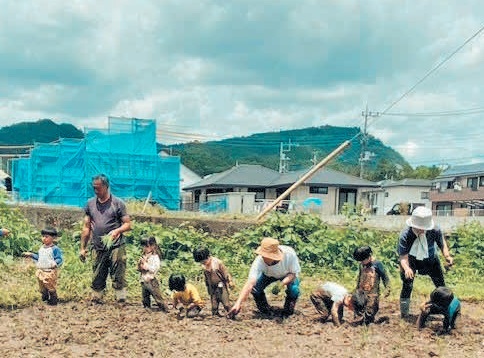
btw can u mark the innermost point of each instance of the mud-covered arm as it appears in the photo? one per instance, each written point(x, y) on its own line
point(424, 313)
point(226, 275)
point(244, 293)
point(85, 236)
point(334, 313)
point(384, 278)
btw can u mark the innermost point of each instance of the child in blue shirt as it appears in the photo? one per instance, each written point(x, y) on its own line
point(48, 259)
point(442, 301)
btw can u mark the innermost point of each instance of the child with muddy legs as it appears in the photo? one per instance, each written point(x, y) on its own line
point(185, 296)
point(371, 272)
point(217, 279)
point(330, 298)
point(148, 266)
point(442, 301)
point(48, 259)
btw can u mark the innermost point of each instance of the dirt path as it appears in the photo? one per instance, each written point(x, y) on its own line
point(79, 329)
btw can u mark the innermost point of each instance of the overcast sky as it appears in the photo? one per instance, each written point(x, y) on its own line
point(214, 69)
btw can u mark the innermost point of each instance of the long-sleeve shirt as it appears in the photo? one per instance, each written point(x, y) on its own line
point(187, 297)
point(48, 257)
point(151, 267)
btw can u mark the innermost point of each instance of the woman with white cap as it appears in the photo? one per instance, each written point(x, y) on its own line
point(417, 249)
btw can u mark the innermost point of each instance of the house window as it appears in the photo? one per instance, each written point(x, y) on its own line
point(259, 192)
point(443, 209)
point(481, 181)
point(318, 190)
point(387, 194)
point(472, 183)
point(424, 195)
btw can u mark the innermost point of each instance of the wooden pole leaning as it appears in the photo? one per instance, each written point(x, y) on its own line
point(306, 176)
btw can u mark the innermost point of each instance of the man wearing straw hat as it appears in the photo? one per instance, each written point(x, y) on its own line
point(274, 263)
point(417, 249)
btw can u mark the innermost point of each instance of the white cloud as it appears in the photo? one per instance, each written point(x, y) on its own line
point(222, 69)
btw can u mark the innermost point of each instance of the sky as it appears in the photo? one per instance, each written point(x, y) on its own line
point(216, 69)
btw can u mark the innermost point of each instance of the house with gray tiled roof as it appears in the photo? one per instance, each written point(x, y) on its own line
point(459, 191)
point(327, 190)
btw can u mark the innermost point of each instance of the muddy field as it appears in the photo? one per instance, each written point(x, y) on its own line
point(81, 329)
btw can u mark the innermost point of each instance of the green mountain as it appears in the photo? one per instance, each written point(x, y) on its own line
point(300, 149)
point(42, 131)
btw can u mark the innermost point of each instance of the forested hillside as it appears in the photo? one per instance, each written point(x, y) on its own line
point(42, 131)
point(300, 147)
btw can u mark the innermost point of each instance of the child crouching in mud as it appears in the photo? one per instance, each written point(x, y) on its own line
point(185, 296)
point(330, 299)
point(442, 301)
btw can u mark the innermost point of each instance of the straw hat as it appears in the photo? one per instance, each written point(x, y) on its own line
point(421, 219)
point(269, 248)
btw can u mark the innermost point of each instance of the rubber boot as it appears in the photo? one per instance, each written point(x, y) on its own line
point(52, 298)
point(97, 297)
point(289, 305)
point(121, 295)
point(404, 307)
point(262, 304)
point(45, 295)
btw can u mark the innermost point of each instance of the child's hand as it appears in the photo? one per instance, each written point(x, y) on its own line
point(27, 254)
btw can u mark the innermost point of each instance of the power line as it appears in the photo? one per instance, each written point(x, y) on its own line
point(440, 114)
point(432, 70)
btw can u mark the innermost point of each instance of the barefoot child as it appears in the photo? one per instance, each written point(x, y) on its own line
point(442, 301)
point(217, 279)
point(370, 274)
point(331, 298)
point(148, 266)
point(48, 259)
point(185, 296)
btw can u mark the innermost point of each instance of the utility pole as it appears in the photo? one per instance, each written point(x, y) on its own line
point(283, 158)
point(364, 155)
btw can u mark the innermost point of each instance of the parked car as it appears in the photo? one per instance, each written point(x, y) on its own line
point(403, 208)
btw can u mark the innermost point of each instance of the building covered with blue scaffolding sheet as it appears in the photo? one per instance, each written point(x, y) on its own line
point(61, 172)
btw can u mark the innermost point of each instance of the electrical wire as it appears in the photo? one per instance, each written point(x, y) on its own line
point(440, 64)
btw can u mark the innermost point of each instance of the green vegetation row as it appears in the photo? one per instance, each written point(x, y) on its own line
point(325, 253)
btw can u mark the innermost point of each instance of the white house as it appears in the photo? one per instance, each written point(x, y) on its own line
point(392, 192)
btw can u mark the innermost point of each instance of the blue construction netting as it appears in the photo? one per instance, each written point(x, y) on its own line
point(61, 172)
